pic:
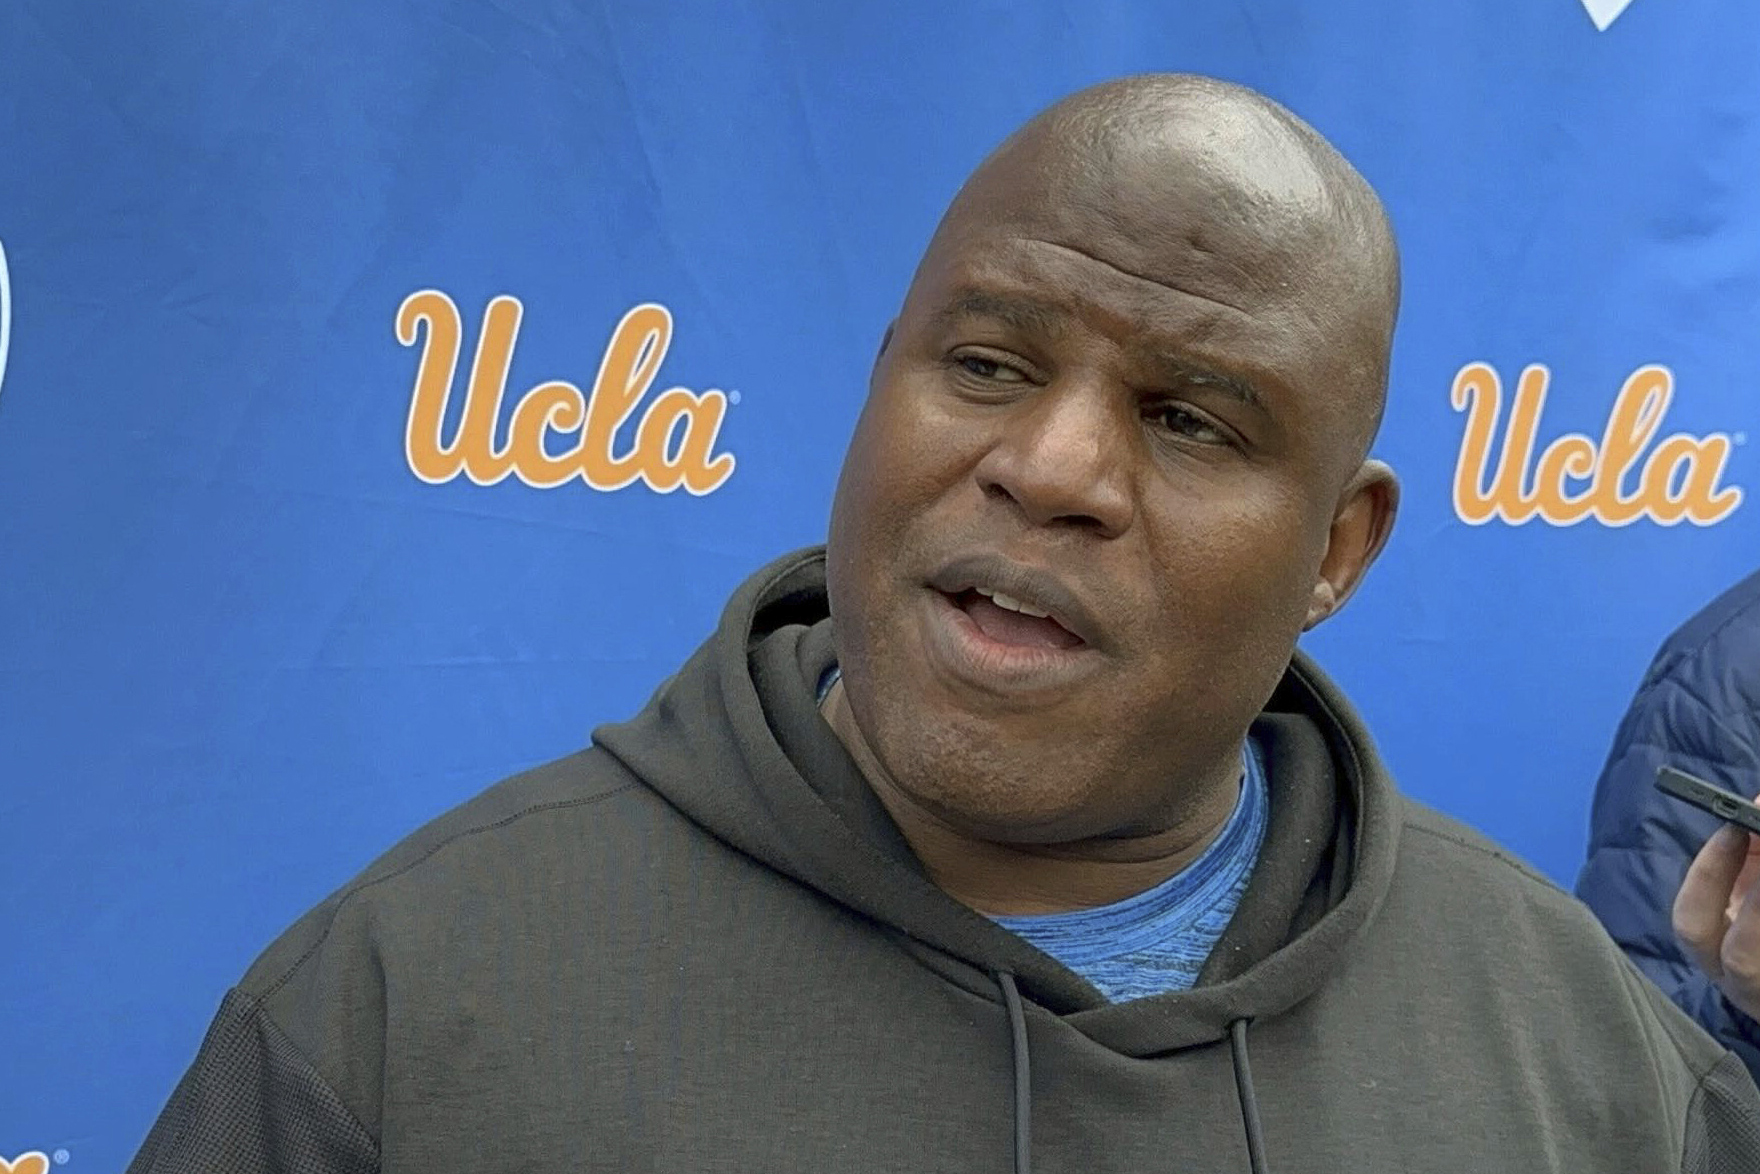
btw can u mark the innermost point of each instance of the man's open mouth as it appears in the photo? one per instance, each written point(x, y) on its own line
point(1008, 620)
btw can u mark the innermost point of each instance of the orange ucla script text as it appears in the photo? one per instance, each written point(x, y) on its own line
point(1678, 480)
point(673, 440)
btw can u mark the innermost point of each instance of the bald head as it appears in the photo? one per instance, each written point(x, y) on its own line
point(1193, 178)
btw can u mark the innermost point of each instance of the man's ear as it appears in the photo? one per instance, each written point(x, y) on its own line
point(1360, 528)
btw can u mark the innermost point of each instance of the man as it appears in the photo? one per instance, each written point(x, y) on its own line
point(1667, 880)
point(1009, 831)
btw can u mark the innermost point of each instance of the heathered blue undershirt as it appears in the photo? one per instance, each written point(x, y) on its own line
point(1158, 940)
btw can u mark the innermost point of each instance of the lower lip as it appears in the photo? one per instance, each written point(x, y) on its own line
point(959, 646)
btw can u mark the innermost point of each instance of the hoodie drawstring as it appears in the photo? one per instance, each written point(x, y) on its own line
point(1023, 1082)
point(1243, 1084)
point(1023, 1073)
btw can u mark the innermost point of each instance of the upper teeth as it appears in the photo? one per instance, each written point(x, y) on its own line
point(1011, 603)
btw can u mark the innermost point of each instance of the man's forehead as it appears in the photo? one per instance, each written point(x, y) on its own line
point(1040, 282)
point(1049, 298)
point(1191, 238)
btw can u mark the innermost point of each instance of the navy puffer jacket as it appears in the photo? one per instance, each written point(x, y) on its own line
point(1698, 710)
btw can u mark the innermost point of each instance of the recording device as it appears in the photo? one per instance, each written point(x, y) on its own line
point(1725, 805)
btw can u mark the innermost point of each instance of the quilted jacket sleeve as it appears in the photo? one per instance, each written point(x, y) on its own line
point(1642, 841)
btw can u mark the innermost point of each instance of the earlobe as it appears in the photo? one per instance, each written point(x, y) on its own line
point(1321, 605)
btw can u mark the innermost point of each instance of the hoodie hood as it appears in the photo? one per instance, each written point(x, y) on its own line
point(735, 742)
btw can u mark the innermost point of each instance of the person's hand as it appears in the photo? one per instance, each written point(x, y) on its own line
point(1717, 915)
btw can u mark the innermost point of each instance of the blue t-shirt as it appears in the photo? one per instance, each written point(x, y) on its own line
point(1158, 940)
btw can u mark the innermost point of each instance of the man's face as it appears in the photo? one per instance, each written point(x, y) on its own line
point(1133, 419)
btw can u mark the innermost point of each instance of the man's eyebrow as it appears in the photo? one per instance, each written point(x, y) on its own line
point(1033, 315)
point(1022, 313)
point(1232, 386)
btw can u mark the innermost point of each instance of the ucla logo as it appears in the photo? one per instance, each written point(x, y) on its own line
point(674, 442)
point(1617, 480)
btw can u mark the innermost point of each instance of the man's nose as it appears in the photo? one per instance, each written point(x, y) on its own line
point(1063, 457)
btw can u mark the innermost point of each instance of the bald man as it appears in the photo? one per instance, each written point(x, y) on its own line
point(1010, 830)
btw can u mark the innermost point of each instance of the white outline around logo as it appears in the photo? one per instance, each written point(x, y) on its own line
point(1605, 12)
point(5, 313)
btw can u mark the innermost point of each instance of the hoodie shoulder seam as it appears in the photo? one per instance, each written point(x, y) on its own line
point(1506, 860)
point(466, 833)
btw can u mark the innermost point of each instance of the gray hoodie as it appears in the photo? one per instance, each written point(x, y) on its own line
point(700, 945)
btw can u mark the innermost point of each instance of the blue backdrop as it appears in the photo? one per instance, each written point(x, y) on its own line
point(244, 646)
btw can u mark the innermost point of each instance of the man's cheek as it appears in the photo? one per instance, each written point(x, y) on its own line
point(1252, 598)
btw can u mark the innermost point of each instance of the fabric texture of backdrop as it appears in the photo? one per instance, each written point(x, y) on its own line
point(254, 626)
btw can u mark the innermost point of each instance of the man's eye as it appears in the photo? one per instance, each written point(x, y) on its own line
point(991, 369)
point(1182, 421)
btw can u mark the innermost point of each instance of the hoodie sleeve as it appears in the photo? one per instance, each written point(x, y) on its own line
point(1641, 842)
point(1723, 1123)
point(253, 1103)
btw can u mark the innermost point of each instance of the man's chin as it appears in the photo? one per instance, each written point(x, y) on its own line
point(1008, 811)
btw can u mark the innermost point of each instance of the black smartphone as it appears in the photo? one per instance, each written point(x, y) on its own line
point(1725, 805)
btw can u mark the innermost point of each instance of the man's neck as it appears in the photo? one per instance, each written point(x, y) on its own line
point(1003, 879)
